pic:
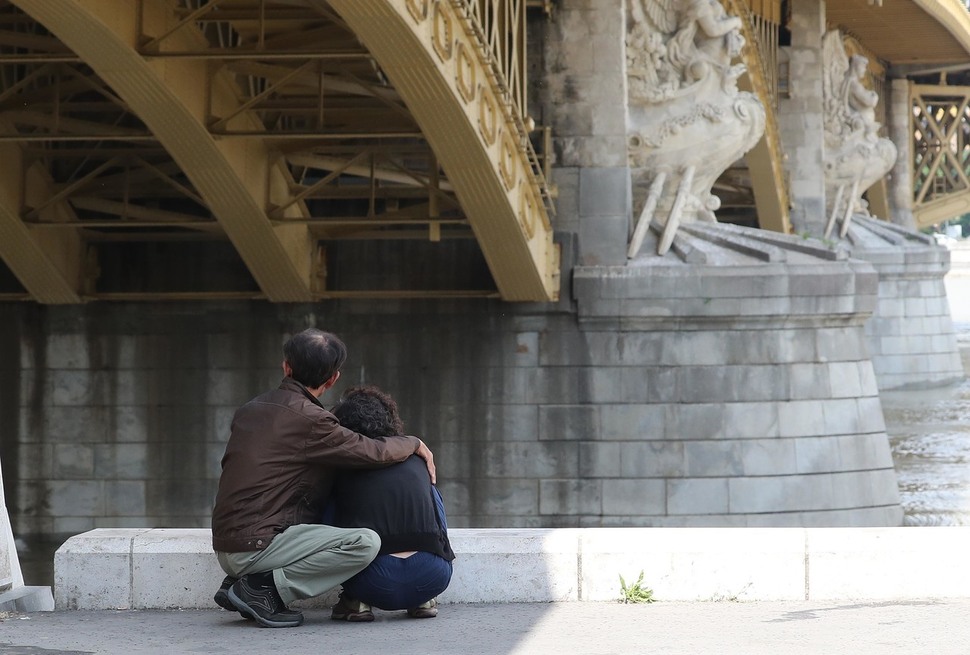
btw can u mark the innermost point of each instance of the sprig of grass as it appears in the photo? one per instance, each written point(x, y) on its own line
point(636, 592)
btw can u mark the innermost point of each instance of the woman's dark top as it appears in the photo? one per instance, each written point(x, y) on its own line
point(395, 502)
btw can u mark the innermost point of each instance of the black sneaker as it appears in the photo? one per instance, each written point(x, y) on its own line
point(222, 596)
point(256, 596)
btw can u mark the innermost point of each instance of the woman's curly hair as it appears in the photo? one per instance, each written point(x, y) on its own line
point(369, 411)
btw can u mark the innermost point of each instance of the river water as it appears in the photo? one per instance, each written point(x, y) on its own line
point(929, 432)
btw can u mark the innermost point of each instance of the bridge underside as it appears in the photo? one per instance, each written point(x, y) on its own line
point(289, 150)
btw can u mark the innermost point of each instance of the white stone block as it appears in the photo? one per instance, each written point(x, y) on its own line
point(93, 570)
point(514, 566)
point(888, 563)
point(695, 563)
point(174, 568)
point(27, 599)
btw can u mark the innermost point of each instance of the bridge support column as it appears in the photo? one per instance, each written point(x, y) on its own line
point(585, 98)
point(899, 124)
point(801, 117)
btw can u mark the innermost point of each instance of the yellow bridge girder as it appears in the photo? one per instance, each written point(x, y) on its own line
point(48, 263)
point(236, 178)
point(940, 166)
point(766, 159)
point(430, 51)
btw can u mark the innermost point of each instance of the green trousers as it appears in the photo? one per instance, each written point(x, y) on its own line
point(307, 560)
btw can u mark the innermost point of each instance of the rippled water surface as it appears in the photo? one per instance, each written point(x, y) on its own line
point(929, 432)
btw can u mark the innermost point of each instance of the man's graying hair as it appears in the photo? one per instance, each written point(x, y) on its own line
point(314, 356)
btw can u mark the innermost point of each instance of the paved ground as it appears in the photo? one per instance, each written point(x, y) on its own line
point(751, 628)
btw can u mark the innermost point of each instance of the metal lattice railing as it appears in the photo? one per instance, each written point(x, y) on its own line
point(501, 28)
point(941, 142)
point(498, 27)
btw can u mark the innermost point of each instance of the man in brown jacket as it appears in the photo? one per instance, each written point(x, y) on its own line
point(279, 465)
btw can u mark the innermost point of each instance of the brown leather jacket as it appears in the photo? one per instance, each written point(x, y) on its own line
point(279, 466)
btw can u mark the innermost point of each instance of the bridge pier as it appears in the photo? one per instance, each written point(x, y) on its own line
point(900, 179)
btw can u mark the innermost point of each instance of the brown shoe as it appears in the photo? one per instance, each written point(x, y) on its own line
point(427, 610)
point(351, 610)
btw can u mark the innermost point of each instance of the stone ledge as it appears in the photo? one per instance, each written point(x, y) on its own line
point(175, 568)
point(27, 599)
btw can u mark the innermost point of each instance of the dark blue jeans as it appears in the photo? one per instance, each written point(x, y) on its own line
point(395, 583)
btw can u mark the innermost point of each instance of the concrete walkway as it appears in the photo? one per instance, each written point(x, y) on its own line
point(664, 628)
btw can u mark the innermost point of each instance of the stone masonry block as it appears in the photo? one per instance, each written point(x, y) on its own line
point(757, 495)
point(570, 497)
point(93, 571)
point(162, 556)
point(713, 458)
point(695, 420)
point(531, 459)
point(604, 192)
point(750, 420)
point(887, 563)
point(818, 454)
point(124, 498)
point(126, 461)
point(509, 566)
point(632, 422)
point(71, 351)
point(677, 566)
point(602, 240)
point(72, 524)
point(600, 459)
point(799, 418)
point(845, 379)
point(870, 415)
point(569, 422)
point(808, 380)
point(76, 497)
point(653, 459)
point(841, 416)
point(508, 497)
point(768, 456)
point(634, 497)
point(688, 496)
point(73, 461)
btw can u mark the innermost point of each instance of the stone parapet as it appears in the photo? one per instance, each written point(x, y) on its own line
point(175, 568)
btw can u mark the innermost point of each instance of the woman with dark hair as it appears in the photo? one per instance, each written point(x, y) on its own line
point(401, 504)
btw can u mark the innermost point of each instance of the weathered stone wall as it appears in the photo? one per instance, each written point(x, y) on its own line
point(121, 411)
point(911, 337)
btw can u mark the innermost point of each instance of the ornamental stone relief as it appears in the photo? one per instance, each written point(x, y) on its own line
point(855, 155)
point(688, 121)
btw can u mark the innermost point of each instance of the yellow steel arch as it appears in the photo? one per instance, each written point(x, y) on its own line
point(766, 159)
point(235, 178)
point(435, 57)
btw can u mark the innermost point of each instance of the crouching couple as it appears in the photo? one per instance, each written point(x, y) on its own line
point(290, 464)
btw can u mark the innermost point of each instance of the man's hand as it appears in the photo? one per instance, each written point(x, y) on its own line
point(425, 453)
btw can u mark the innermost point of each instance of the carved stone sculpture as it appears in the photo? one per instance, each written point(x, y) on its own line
point(687, 120)
point(855, 155)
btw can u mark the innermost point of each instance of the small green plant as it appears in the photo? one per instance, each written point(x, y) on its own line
point(635, 593)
